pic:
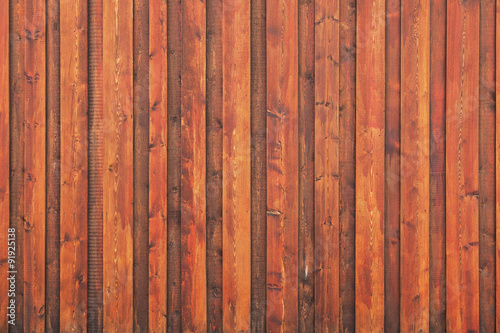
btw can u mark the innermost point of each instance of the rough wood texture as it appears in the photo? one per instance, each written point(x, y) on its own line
point(462, 166)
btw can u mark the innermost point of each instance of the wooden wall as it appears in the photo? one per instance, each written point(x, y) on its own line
point(250, 165)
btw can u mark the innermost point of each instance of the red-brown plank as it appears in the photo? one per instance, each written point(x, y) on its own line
point(437, 209)
point(415, 70)
point(497, 160)
point(370, 134)
point(462, 166)
point(118, 165)
point(34, 168)
point(282, 165)
point(157, 166)
point(74, 166)
point(193, 167)
point(236, 165)
point(326, 165)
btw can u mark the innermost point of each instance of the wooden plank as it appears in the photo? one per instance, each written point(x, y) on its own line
point(497, 165)
point(4, 165)
point(193, 167)
point(282, 165)
point(392, 167)
point(347, 122)
point(487, 166)
point(437, 209)
point(415, 70)
point(118, 165)
point(214, 166)
point(326, 173)
point(259, 164)
point(157, 166)
point(34, 168)
point(236, 165)
point(74, 166)
point(306, 162)
point(370, 133)
point(462, 188)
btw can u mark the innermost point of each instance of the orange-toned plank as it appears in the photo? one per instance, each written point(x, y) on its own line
point(4, 162)
point(34, 168)
point(326, 165)
point(74, 166)
point(118, 163)
point(193, 167)
point(462, 166)
point(497, 158)
point(370, 132)
point(236, 165)
point(415, 70)
point(282, 165)
point(157, 166)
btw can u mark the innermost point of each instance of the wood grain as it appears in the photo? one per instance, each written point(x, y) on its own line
point(415, 67)
point(326, 165)
point(193, 167)
point(158, 166)
point(462, 188)
point(370, 133)
point(118, 166)
point(74, 166)
point(497, 160)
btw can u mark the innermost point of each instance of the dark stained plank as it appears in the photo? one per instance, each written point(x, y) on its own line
point(74, 166)
point(34, 168)
point(326, 165)
point(259, 165)
point(193, 167)
point(306, 164)
point(347, 122)
point(370, 134)
point(282, 165)
point(415, 70)
point(118, 165)
point(392, 166)
point(487, 166)
point(437, 186)
point(462, 166)
point(236, 166)
point(157, 166)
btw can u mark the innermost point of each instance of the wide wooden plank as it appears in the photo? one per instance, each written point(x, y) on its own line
point(462, 188)
point(326, 173)
point(74, 166)
point(193, 167)
point(370, 133)
point(392, 166)
point(437, 209)
point(415, 70)
point(157, 166)
point(118, 165)
point(34, 167)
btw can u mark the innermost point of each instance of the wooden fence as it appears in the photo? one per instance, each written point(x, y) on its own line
point(249, 165)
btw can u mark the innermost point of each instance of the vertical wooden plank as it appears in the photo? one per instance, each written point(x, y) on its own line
point(118, 160)
point(347, 122)
point(74, 166)
point(392, 166)
point(487, 166)
point(259, 164)
point(157, 166)
point(370, 133)
point(497, 160)
point(415, 70)
point(4, 165)
point(326, 165)
point(236, 165)
point(437, 209)
point(282, 165)
point(462, 188)
point(193, 167)
point(34, 168)
point(306, 163)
